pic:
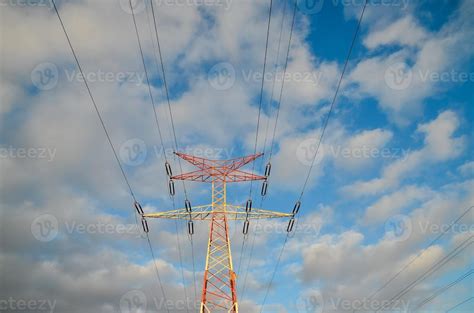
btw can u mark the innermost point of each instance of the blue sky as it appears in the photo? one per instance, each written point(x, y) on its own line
point(395, 165)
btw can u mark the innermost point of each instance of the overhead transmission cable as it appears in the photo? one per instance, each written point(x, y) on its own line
point(157, 272)
point(261, 90)
point(247, 222)
point(435, 267)
point(161, 140)
point(459, 304)
point(278, 108)
point(298, 203)
point(270, 103)
point(435, 240)
point(443, 289)
point(176, 145)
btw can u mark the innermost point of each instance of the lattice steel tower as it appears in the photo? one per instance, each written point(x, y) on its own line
point(219, 287)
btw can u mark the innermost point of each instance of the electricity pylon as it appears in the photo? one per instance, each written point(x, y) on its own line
point(219, 289)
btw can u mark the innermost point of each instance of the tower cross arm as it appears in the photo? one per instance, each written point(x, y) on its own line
point(205, 212)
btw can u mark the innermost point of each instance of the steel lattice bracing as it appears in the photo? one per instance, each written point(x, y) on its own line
point(219, 289)
point(219, 285)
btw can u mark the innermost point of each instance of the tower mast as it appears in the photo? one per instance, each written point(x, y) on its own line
point(219, 292)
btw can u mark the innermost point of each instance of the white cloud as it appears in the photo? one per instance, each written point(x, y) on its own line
point(404, 31)
point(467, 169)
point(401, 81)
point(440, 144)
point(352, 266)
point(393, 203)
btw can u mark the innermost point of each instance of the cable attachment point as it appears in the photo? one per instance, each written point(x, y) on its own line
point(139, 208)
point(191, 227)
point(268, 169)
point(264, 188)
point(296, 208)
point(169, 172)
point(291, 223)
point(246, 227)
point(146, 229)
point(187, 205)
point(171, 187)
point(248, 206)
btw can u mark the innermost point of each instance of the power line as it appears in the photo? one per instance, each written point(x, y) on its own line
point(165, 87)
point(258, 118)
point(419, 254)
point(150, 93)
point(94, 103)
point(283, 82)
point(276, 72)
point(328, 116)
point(261, 90)
point(320, 139)
point(276, 120)
point(459, 304)
point(443, 289)
point(170, 111)
point(109, 140)
point(268, 120)
point(435, 267)
point(160, 135)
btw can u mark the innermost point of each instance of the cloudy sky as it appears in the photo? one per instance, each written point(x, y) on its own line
point(394, 171)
